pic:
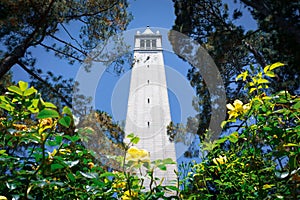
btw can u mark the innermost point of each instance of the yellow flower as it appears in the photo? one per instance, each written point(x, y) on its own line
point(129, 195)
point(121, 185)
point(20, 127)
point(267, 186)
point(135, 154)
point(220, 161)
point(46, 122)
point(91, 165)
point(237, 108)
point(3, 198)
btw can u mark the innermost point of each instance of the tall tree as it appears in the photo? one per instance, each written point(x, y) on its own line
point(214, 25)
point(33, 23)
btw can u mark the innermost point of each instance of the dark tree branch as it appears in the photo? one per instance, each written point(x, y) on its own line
point(68, 44)
point(281, 22)
point(13, 58)
point(62, 53)
point(260, 59)
point(69, 34)
point(92, 14)
point(46, 83)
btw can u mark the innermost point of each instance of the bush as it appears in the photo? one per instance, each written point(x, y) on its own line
point(42, 156)
point(261, 158)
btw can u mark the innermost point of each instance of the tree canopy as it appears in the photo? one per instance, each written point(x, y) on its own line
point(70, 29)
point(234, 48)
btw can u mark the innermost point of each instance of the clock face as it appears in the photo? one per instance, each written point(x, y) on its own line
point(147, 58)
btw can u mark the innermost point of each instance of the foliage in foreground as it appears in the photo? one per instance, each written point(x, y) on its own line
point(42, 156)
point(261, 159)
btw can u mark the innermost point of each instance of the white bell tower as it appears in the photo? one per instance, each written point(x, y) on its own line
point(148, 112)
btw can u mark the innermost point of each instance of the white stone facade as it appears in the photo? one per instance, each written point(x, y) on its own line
point(148, 112)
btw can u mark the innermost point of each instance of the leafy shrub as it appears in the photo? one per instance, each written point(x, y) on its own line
point(261, 158)
point(42, 156)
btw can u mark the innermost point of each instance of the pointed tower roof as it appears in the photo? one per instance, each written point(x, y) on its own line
point(148, 31)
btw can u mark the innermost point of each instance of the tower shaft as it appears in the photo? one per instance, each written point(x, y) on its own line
point(148, 112)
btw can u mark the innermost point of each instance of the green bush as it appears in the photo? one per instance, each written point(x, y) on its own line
point(259, 160)
point(42, 156)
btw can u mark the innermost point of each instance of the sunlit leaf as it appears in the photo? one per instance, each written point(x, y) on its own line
point(297, 105)
point(135, 140)
point(23, 85)
point(49, 105)
point(168, 161)
point(15, 89)
point(262, 80)
point(29, 91)
point(252, 90)
point(107, 174)
point(270, 74)
point(7, 107)
point(266, 69)
point(276, 65)
point(67, 111)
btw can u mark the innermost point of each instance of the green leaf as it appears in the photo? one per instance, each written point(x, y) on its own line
point(7, 107)
point(266, 69)
point(129, 136)
point(5, 99)
point(296, 106)
point(29, 91)
point(218, 182)
point(135, 140)
point(223, 124)
point(252, 90)
point(50, 105)
point(72, 138)
point(171, 187)
point(23, 85)
point(15, 89)
point(262, 80)
point(270, 74)
point(162, 167)
point(107, 174)
point(234, 137)
point(56, 166)
point(67, 111)
point(291, 145)
point(242, 75)
point(71, 177)
point(58, 139)
point(65, 121)
point(3, 152)
point(168, 161)
point(276, 65)
point(47, 113)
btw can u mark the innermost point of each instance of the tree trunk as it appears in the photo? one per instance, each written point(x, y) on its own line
point(11, 59)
